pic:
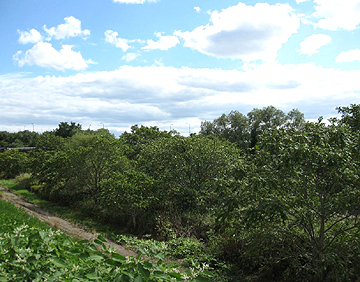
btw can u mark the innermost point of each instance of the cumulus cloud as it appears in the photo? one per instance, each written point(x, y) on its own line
point(165, 42)
point(313, 43)
point(300, 1)
point(244, 32)
point(337, 14)
point(130, 57)
point(135, 1)
point(197, 9)
point(32, 36)
point(112, 38)
point(348, 56)
point(71, 28)
point(43, 54)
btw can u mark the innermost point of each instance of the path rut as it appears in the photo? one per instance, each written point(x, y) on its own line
point(58, 222)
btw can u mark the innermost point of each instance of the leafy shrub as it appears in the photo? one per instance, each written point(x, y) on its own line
point(23, 181)
point(12, 163)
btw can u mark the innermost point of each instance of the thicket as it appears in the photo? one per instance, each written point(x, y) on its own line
point(269, 193)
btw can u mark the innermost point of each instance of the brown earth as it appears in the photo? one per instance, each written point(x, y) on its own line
point(57, 222)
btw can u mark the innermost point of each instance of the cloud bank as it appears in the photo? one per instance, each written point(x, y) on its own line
point(162, 96)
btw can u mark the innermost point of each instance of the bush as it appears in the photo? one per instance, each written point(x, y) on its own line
point(12, 163)
point(23, 181)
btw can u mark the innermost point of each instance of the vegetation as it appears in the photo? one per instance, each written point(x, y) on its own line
point(30, 251)
point(262, 197)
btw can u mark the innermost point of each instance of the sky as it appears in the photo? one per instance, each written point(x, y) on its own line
point(173, 64)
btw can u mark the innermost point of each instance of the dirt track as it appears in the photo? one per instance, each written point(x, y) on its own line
point(57, 222)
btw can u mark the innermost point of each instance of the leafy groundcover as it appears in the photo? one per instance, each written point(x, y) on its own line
point(33, 252)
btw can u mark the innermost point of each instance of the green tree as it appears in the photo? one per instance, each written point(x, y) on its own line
point(297, 213)
point(73, 169)
point(187, 173)
point(66, 130)
point(12, 163)
point(234, 127)
point(127, 198)
point(350, 116)
point(262, 120)
point(140, 137)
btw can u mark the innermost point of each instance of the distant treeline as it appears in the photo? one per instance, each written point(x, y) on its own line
point(272, 195)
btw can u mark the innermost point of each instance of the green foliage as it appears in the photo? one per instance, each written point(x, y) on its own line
point(245, 130)
point(350, 116)
point(12, 163)
point(140, 137)
point(127, 199)
point(66, 130)
point(24, 138)
point(29, 252)
point(187, 173)
point(297, 213)
point(74, 169)
point(23, 181)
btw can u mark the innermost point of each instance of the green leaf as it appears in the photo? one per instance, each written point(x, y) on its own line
point(92, 276)
point(144, 272)
point(59, 263)
point(175, 274)
point(96, 258)
point(117, 257)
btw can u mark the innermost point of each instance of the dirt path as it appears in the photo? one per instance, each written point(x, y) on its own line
point(57, 222)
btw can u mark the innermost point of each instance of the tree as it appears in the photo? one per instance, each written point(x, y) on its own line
point(12, 163)
point(264, 119)
point(187, 174)
point(233, 127)
point(73, 169)
point(350, 116)
point(93, 159)
point(66, 130)
point(245, 130)
point(299, 205)
point(140, 137)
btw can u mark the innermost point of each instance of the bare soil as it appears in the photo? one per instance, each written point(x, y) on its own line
point(57, 222)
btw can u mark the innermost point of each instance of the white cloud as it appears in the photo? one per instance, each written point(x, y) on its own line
point(135, 1)
point(130, 57)
point(43, 54)
point(313, 43)
point(164, 43)
point(32, 36)
point(197, 9)
point(300, 1)
point(71, 28)
point(338, 14)
point(112, 38)
point(244, 32)
point(348, 56)
point(160, 95)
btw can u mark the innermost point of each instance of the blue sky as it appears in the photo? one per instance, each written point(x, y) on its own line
point(116, 63)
